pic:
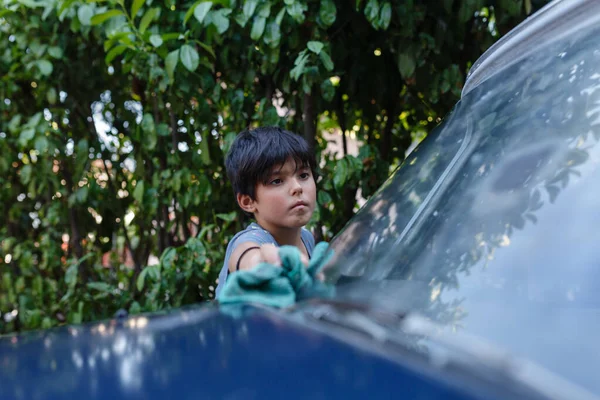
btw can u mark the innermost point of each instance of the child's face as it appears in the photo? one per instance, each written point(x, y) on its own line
point(288, 198)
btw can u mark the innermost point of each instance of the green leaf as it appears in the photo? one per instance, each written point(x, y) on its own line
point(190, 12)
point(148, 123)
point(327, 90)
point(45, 67)
point(114, 52)
point(166, 261)
point(406, 65)
point(31, 3)
point(150, 140)
point(55, 52)
point(296, 11)
point(202, 10)
point(315, 47)
point(324, 198)
point(265, 10)
point(64, 5)
point(340, 174)
point(205, 153)
point(135, 307)
point(170, 36)
point(51, 96)
point(249, 7)
point(49, 8)
point(189, 57)
point(154, 271)
point(147, 19)
point(299, 63)
point(26, 174)
point(156, 40)
point(34, 120)
point(195, 244)
point(385, 16)
point(71, 275)
point(85, 14)
point(37, 48)
point(176, 182)
point(5, 11)
point(100, 286)
point(280, 16)
point(327, 12)
point(171, 63)
point(230, 217)
point(14, 123)
point(38, 286)
point(149, 130)
point(356, 166)
point(372, 12)
point(141, 278)
point(121, 37)
point(296, 72)
point(138, 192)
point(272, 35)
point(25, 136)
point(41, 144)
point(46, 323)
point(220, 19)
point(241, 20)
point(162, 129)
point(135, 7)
point(207, 48)
point(258, 28)
point(301, 59)
point(326, 60)
point(100, 18)
point(82, 194)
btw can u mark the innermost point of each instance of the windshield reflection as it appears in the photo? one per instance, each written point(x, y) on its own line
point(502, 242)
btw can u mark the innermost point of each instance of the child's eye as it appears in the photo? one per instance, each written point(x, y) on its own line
point(304, 175)
point(276, 182)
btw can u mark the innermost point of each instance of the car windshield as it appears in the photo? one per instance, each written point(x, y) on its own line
point(489, 225)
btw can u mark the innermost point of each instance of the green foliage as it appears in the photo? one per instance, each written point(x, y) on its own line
point(116, 116)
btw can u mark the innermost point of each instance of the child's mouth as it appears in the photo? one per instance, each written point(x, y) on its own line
point(299, 205)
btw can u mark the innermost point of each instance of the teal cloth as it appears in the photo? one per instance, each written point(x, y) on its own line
point(279, 286)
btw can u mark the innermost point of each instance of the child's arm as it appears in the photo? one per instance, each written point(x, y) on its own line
point(253, 254)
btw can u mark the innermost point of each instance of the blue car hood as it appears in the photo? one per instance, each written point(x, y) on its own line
point(211, 352)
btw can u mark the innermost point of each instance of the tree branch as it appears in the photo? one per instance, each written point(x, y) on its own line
point(339, 104)
point(310, 117)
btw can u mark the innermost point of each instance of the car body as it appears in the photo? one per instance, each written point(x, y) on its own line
point(472, 273)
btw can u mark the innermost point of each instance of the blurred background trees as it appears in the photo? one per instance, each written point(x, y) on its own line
point(115, 117)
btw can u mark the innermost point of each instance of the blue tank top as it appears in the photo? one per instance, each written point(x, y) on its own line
point(255, 233)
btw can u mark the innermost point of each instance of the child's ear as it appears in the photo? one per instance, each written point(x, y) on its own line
point(246, 203)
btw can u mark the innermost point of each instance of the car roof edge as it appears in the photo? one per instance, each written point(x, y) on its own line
point(562, 15)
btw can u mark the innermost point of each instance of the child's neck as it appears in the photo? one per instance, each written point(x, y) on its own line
point(286, 236)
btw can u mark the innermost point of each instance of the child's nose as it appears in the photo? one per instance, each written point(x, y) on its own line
point(296, 186)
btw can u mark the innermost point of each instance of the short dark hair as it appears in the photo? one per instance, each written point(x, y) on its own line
point(254, 153)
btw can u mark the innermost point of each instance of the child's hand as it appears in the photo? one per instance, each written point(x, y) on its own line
point(270, 253)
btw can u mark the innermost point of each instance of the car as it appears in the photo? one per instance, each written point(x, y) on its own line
point(473, 272)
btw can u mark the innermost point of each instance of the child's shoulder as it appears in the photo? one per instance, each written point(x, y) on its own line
point(252, 233)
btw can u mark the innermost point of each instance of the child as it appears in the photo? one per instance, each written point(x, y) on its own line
point(272, 174)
